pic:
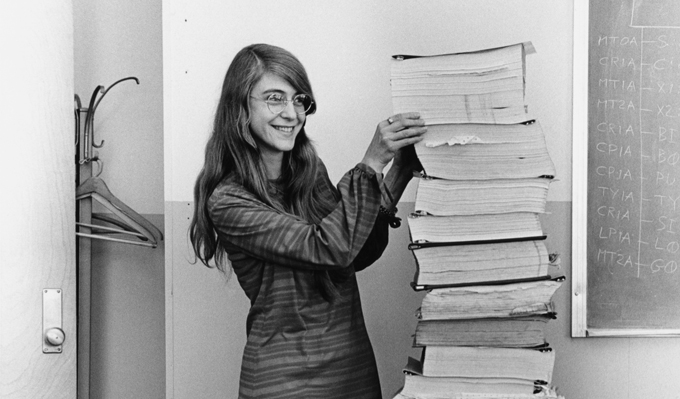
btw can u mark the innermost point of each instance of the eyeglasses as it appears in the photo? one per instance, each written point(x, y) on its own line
point(277, 103)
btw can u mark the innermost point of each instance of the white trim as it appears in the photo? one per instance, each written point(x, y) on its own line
point(167, 16)
point(579, 170)
point(609, 332)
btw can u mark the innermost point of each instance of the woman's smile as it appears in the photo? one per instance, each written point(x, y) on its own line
point(286, 129)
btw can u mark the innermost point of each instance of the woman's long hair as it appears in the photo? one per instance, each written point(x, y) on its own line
point(231, 149)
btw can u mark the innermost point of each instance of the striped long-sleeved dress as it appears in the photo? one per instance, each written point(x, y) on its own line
point(300, 345)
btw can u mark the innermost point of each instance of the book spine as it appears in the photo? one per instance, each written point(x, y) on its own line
point(427, 287)
point(428, 244)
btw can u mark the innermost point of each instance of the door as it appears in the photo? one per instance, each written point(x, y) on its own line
point(37, 204)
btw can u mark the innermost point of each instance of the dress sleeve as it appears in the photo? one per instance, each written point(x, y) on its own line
point(265, 233)
point(377, 240)
point(374, 246)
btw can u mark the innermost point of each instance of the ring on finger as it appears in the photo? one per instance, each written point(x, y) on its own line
point(390, 120)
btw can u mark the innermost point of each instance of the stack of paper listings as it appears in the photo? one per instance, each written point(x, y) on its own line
point(475, 234)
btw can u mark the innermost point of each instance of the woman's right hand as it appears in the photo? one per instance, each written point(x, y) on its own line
point(392, 135)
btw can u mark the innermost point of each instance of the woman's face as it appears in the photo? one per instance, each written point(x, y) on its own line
point(274, 133)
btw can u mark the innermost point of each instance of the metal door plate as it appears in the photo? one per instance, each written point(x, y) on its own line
point(51, 317)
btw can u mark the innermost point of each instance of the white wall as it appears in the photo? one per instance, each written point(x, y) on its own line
point(346, 47)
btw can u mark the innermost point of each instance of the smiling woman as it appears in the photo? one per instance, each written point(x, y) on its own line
point(275, 132)
point(293, 239)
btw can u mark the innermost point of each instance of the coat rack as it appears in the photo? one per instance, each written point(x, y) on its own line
point(121, 224)
point(128, 222)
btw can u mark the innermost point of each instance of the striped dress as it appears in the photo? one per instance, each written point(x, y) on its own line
point(298, 344)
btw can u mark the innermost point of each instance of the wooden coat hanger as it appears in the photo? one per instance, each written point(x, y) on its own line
point(129, 222)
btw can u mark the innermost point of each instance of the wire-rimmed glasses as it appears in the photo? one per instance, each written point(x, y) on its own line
point(276, 103)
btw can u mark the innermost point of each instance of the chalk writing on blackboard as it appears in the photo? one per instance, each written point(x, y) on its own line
point(634, 164)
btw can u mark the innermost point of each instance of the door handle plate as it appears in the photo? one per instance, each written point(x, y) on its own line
point(53, 335)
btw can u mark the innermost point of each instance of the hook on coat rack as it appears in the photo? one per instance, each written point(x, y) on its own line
point(89, 123)
point(94, 108)
point(78, 107)
point(95, 99)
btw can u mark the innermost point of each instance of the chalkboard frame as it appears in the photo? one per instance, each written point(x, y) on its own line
point(579, 284)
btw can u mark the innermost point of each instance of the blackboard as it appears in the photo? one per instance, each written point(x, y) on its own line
point(633, 167)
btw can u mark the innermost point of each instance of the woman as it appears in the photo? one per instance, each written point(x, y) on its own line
point(294, 240)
